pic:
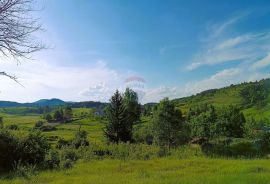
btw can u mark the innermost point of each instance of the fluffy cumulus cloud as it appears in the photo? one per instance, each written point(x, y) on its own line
point(52, 76)
point(43, 80)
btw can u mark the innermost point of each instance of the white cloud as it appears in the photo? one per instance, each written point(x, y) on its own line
point(220, 79)
point(221, 47)
point(243, 48)
point(264, 62)
point(218, 29)
point(44, 80)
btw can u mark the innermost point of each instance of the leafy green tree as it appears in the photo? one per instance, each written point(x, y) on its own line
point(116, 129)
point(255, 93)
point(231, 122)
point(68, 114)
point(168, 124)
point(58, 115)
point(132, 111)
point(48, 117)
point(202, 122)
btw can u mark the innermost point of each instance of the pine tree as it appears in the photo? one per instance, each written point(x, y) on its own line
point(116, 129)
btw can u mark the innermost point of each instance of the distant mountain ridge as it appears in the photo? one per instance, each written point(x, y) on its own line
point(49, 102)
point(52, 102)
point(39, 103)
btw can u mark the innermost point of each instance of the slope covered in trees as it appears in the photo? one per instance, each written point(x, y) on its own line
point(253, 98)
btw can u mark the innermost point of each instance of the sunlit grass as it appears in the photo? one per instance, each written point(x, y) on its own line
point(157, 171)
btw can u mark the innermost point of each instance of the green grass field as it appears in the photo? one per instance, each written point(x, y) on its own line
point(157, 171)
point(168, 170)
point(27, 121)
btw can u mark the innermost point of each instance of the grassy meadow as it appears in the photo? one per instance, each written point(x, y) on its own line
point(184, 166)
point(156, 171)
point(139, 163)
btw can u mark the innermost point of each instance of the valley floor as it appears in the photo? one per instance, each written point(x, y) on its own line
point(156, 171)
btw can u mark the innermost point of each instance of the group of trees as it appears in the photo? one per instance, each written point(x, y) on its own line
point(206, 122)
point(122, 113)
point(60, 115)
point(255, 93)
point(169, 126)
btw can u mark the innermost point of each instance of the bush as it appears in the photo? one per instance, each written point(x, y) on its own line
point(80, 139)
point(67, 164)
point(39, 124)
point(70, 154)
point(28, 150)
point(62, 143)
point(264, 142)
point(52, 160)
point(232, 148)
point(20, 170)
point(243, 148)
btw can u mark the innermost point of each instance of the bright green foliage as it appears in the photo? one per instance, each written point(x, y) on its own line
point(256, 93)
point(161, 171)
point(207, 122)
point(132, 106)
point(202, 122)
point(168, 124)
point(231, 122)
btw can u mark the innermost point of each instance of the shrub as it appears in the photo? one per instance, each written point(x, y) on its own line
point(33, 148)
point(243, 148)
point(80, 139)
point(61, 143)
point(232, 148)
point(70, 154)
point(20, 170)
point(52, 160)
point(264, 142)
point(39, 124)
point(67, 164)
point(28, 150)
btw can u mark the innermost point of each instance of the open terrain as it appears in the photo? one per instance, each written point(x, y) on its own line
point(188, 169)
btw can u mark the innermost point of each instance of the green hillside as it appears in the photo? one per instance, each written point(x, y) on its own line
point(252, 97)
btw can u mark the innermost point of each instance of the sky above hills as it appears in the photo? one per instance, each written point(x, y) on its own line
point(163, 48)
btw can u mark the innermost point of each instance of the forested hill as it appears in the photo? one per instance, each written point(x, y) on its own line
point(252, 97)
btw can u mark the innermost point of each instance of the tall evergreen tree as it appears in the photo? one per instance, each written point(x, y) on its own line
point(116, 129)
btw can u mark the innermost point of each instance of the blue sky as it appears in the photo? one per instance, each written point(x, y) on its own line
point(178, 47)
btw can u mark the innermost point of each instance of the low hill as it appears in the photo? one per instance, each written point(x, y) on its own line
point(53, 102)
point(252, 97)
point(49, 102)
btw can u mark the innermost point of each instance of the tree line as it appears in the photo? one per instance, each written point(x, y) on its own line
point(168, 126)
